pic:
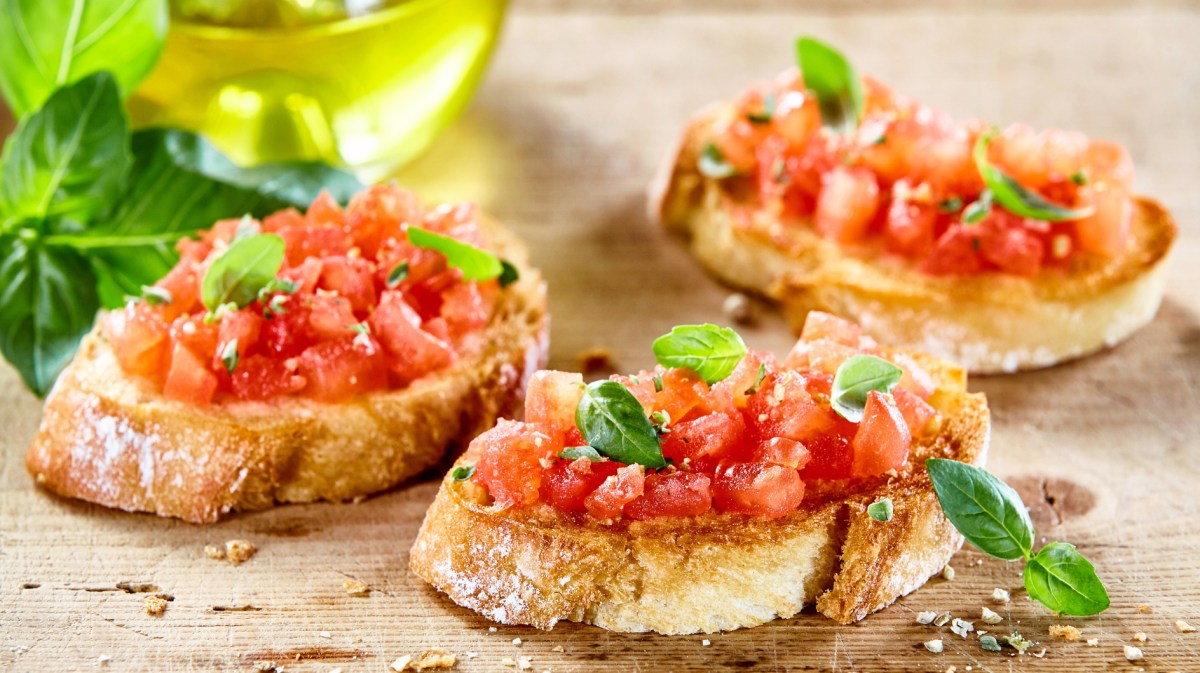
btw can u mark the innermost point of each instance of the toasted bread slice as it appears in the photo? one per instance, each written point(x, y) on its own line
point(715, 572)
point(989, 323)
point(111, 438)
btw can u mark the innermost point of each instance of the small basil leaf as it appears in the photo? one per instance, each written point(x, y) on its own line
point(762, 374)
point(45, 45)
point(475, 264)
point(881, 510)
point(768, 110)
point(830, 76)
point(462, 473)
point(577, 452)
point(658, 383)
point(156, 295)
point(397, 275)
point(711, 351)
point(614, 423)
point(48, 303)
point(70, 158)
point(857, 376)
point(984, 509)
point(989, 643)
point(360, 328)
point(229, 355)
point(242, 271)
point(712, 164)
point(1014, 197)
point(509, 273)
point(1060, 578)
point(951, 205)
point(979, 208)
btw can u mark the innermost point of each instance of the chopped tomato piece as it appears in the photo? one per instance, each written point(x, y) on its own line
point(771, 491)
point(733, 391)
point(715, 434)
point(414, 351)
point(675, 494)
point(567, 484)
point(260, 378)
point(183, 284)
point(340, 369)
point(682, 391)
point(1108, 230)
point(550, 401)
point(916, 412)
point(848, 202)
point(783, 451)
point(610, 497)
point(465, 308)
point(188, 379)
point(783, 407)
point(350, 277)
point(819, 325)
point(509, 464)
point(883, 438)
point(956, 252)
point(242, 327)
point(139, 339)
point(831, 455)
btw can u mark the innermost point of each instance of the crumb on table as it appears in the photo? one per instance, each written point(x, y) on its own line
point(155, 605)
point(1065, 632)
point(355, 587)
point(238, 551)
point(434, 658)
point(214, 552)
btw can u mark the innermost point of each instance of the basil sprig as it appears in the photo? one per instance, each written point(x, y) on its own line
point(991, 516)
point(1014, 197)
point(240, 274)
point(475, 263)
point(614, 423)
point(711, 351)
point(833, 79)
point(577, 452)
point(857, 376)
point(712, 163)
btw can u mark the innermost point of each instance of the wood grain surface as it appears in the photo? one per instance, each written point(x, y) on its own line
point(581, 101)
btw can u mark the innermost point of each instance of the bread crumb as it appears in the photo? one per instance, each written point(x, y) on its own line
point(948, 573)
point(926, 618)
point(990, 616)
point(952, 669)
point(1092, 642)
point(355, 587)
point(524, 663)
point(325, 634)
point(264, 665)
point(942, 619)
point(214, 552)
point(429, 659)
point(103, 660)
point(1143, 608)
point(706, 642)
point(508, 661)
point(595, 359)
point(239, 551)
point(558, 648)
point(1140, 637)
point(1133, 653)
point(401, 663)
point(517, 642)
point(934, 646)
point(1065, 632)
point(491, 629)
point(1183, 627)
point(155, 605)
point(1000, 595)
point(737, 307)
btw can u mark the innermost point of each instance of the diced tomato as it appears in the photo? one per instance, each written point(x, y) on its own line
point(325, 212)
point(883, 438)
point(260, 378)
point(413, 351)
point(338, 370)
point(329, 316)
point(732, 392)
point(819, 354)
point(509, 463)
point(758, 489)
point(1009, 246)
point(716, 435)
point(379, 213)
point(198, 335)
point(610, 497)
point(550, 402)
point(283, 219)
point(183, 284)
point(956, 252)
point(189, 380)
point(822, 325)
point(848, 202)
point(783, 451)
point(675, 494)
point(683, 390)
point(350, 277)
point(139, 339)
point(240, 326)
point(916, 412)
point(1108, 230)
point(465, 309)
point(783, 407)
point(831, 455)
point(915, 378)
point(314, 241)
point(910, 224)
point(567, 484)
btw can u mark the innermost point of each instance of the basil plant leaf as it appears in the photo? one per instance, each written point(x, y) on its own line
point(242, 271)
point(836, 84)
point(711, 351)
point(47, 304)
point(577, 452)
point(858, 376)
point(70, 158)
point(1060, 578)
point(1014, 197)
point(46, 44)
point(712, 163)
point(475, 264)
point(988, 512)
point(614, 423)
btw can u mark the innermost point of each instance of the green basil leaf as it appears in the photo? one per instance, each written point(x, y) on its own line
point(397, 274)
point(768, 110)
point(614, 423)
point(47, 304)
point(989, 643)
point(712, 163)
point(1060, 578)
point(830, 76)
point(984, 509)
point(979, 208)
point(155, 296)
point(577, 452)
point(711, 351)
point(462, 473)
point(1014, 197)
point(70, 158)
point(229, 356)
point(509, 273)
point(951, 205)
point(762, 374)
point(297, 183)
point(242, 271)
point(857, 376)
point(45, 45)
point(881, 510)
point(476, 264)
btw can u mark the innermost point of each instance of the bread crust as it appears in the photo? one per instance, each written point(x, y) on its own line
point(990, 323)
point(715, 572)
point(113, 439)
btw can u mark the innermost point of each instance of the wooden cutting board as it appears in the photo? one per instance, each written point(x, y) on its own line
point(581, 102)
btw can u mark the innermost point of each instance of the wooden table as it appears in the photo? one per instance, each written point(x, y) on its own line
point(582, 100)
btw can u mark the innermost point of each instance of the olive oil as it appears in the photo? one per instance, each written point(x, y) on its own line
point(362, 84)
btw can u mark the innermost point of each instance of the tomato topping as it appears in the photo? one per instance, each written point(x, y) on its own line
point(618, 490)
point(550, 401)
point(907, 175)
point(883, 438)
point(509, 464)
point(764, 490)
point(338, 322)
point(675, 494)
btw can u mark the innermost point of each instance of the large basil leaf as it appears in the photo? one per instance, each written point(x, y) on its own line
point(834, 80)
point(70, 158)
point(712, 352)
point(857, 376)
point(1060, 578)
point(45, 44)
point(47, 303)
point(987, 511)
point(242, 271)
point(614, 423)
point(475, 263)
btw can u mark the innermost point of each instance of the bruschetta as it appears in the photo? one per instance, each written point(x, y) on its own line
point(721, 490)
point(997, 249)
point(319, 356)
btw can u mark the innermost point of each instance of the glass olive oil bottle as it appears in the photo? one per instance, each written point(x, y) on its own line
point(362, 83)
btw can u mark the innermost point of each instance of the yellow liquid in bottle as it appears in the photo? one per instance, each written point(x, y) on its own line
point(368, 92)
